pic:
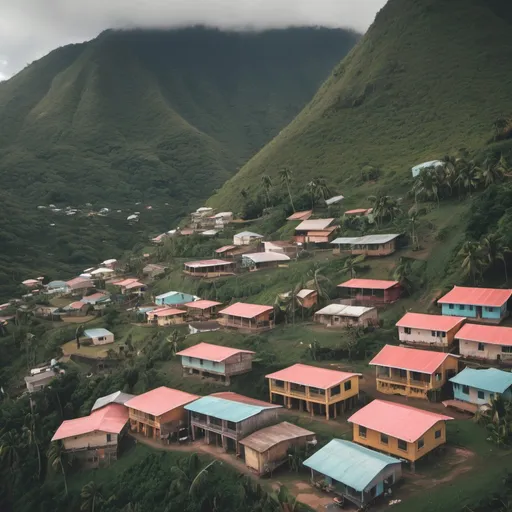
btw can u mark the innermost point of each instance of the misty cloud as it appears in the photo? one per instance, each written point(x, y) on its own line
point(31, 28)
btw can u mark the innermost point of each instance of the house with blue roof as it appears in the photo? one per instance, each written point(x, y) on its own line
point(479, 387)
point(225, 419)
point(353, 472)
point(174, 299)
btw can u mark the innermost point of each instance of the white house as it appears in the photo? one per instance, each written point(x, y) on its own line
point(246, 238)
point(99, 336)
point(425, 165)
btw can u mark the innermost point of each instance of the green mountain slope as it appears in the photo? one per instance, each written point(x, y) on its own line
point(429, 77)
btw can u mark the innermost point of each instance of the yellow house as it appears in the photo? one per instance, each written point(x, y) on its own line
point(316, 390)
point(166, 316)
point(400, 430)
point(412, 372)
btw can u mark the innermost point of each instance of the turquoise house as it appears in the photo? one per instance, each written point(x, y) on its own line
point(354, 472)
point(482, 304)
point(479, 387)
point(173, 298)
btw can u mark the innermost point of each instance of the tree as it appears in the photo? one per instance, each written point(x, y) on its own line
point(403, 274)
point(58, 460)
point(174, 339)
point(318, 188)
point(384, 207)
point(29, 352)
point(471, 260)
point(492, 173)
point(30, 434)
point(188, 477)
point(91, 497)
point(468, 177)
point(286, 502)
point(80, 330)
point(266, 181)
point(414, 213)
point(352, 265)
point(9, 450)
point(426, 185)
point(319, 282)
point(494, 250)
point(286, 178)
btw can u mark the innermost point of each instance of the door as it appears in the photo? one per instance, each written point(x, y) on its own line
point(479, 311)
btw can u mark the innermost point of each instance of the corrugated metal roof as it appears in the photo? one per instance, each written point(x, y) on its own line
point(236, 397)
point(305, 215)
point(161, 312)
point(202, 304)
point(160, 400)
point(225, 248)
point(302, 294)
point(373, 284)
point(349, 463)
point(429, 322)
point(377, 239)
point(426, 165)
point(396, 420)
point(266, 438)
point(249, 234)
point(212, 352)
point(171, 294)
point(208, 263)
point(266, 257)
point(492, 334)
point(493, 297)
point(491, 379)
point(96, 333)
point(342, 310)
point(314, 224)
point(334, 200)
point(117, 397)
point(222, 409)
point(345, 240)
point(358, 210)
point(422, 361)
point(244, 310)
point(305, 375)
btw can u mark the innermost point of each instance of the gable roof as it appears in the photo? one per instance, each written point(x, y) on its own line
point(305, 375)
point(161, 312)
point(111, 419)
point(207, 263)
point(305, 292)
point(249, 234)
point(305, 215)
point(171, 294)
point(334, 200)
point(314, 225)
point(493, 297)
point(202, 304)
point(236, 397)
point(212, 352)
point(244, 310)
point(95, 297)
point(396, 420)
point(225, 248)
point(491, 379)
point(118, 397)
point(374, 284)
point(343, 310)
point(345, 240)
point(430, 322)
point(349, 463)
point(96, 333)
point(491, 334)
point(160, 400)
point(416, 360)
point(266, 257)
point(266, 438)
point(358, 210)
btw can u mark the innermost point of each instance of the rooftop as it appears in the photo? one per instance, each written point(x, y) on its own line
point(95, 297)
point(492, 334)
point(305, 292)
point(422, 361)
point(225, 248)
point(97, 333)
point(493, 297)
point(430, 322)
point(160, 400)
point(373, 284)
point(171, 294)
point(358, 210)
point(161, 312)
point(266, 438)
point(207, 263)
point(314, 225)
point(118, 397)
point(40, 377)
point(102, 270)
point(490, 379)
point(266, 257)
point(396, 420)
point(345, 240)
point(244, 310)
point(202, 304)
point(79, 280)
point(343, 310)
point(211, 352)
point(305, 215)
point(305, 375)
point(334, 200)
point(249, 234)
point(235, 397)
point(349, 463)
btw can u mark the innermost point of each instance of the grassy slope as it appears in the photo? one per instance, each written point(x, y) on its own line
point(429, 77)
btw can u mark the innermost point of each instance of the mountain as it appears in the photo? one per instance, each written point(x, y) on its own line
point(429, 77)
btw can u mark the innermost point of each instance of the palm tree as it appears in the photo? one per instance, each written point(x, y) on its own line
point(312, 190)
point(190, 476)
point(319, 282)
point(174, 339)
point(426, 185)
point(352, 265)
point(403, 274)
point(286, 502)
point(266, 181)
point(9, 450)
point(286, 178)
point(472, 261)
point(30, 435)
point(492, 173)
point(384, 207)
point(323, 189)
point(468, 177)
point(91, 497)
point(29, 344)
point(494, 250)
point(57, 459)
point(413, 215)
point(80, 330)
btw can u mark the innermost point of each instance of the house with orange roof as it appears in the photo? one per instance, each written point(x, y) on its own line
point(202, 309)
point(159, 413)
point(305, 215)
point(94, 439)
point(412, 372)
point(79, 285)
point(231, 251)
point(371, 292)
point(358, 212)
point(247, 317)
point(130, 286)
point(481, 304)
point(433, 331)
point(406, 432)
point(315, 390)
point(488, 342)
point(209, 360)
point(166, 316)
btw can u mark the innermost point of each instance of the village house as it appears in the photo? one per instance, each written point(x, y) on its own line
point(358, 212)
point(209, 360)
point(159, 413)
point(166, 316)
point(111, 263)
point(153, 270)
point(481, 304)
point(159, 239)
point(96, 299)
point(56, 288)
point(79, 285)
point(340, 315)
point(94, 439)
point(206, 326)
point(307, 298)
point(222, 219)
point(371, 292)
point(267, 449)
point(250, 317)
point(202, 309)
point(225, 419)
point(262, 260)
point(334, 200)
point(406, 432)
point(209, 268)
point(32, 283)
point(317, 231)
point(102, 273)
point(313, 389)
point(231, 251)
point(305, 215)
point(281, 247)
point(246, 238)
point(130, 286)
point(43, 311)
point(118, 397)
point(412, 372)
point(488, 342)
point(173, 298)
point(475, 388)
point(77, 308)
point(39, 380)
point(202, 217)
point(353, 472)
point(99, 336)
point(434, 331)
point(369, 245)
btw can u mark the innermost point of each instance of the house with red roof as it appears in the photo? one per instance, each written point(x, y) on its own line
point(489, 342)
point(371, 292)
point(202, 309)
point(159, 413)
point(209, 268)
point(94, 439)
point(166, 316)
point(315, 390)
point(412, 372)
point(433, 331)
point(209, 360)
point(406, 432)
point(482, 304)
point(79, 285)
point(247, 317)
point(130, 286)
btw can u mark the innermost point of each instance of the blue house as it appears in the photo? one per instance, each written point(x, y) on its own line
point(479, 387)
point(483, 304)
point(173, 298)
point(353, 472)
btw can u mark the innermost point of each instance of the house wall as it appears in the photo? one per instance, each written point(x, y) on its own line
point(258, 322)
point(90, 440)
point(490, 351)
point(472, 395)
point(374, 249)
point(103, 340)
point(425, 337)
point(392, 471)
point(163, 321)
point(263, 419)
point(138, 418)
point(368, 318)
point(412, 453)
point(310, 300)
point(273, 456)
point(203, 365)
point(494, 314)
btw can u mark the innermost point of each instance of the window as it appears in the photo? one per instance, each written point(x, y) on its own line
point(507, 350)
point(101, 338)
point(481, 395)
point(437, 434)
point(450, 306)
point(384, 439)
point(443, 335)
point(489, 309)
point(362, 432)
point(462, 307)
point(465, 390)
point(439, 376)
point(402, 445)
point(373, 491)
point(481, 347)
point(109, 438)
point(407, 330)
point(201, 362)
point(336, 390)
point(421, 443)
point(434, 333)
point(470, 308)
point(348, 385)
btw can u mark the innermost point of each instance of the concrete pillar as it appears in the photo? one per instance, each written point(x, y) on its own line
point(326, 411)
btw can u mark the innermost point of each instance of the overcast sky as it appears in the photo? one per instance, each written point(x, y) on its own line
point(31, 28)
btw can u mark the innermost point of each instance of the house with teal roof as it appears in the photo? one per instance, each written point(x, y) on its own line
point(354, 472)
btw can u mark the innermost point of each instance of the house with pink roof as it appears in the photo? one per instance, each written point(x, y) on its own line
point(248, 317)
point(202, 309)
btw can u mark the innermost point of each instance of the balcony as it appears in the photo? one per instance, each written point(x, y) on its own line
point(213, 427)
point(144, 418)
point(404, 381)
